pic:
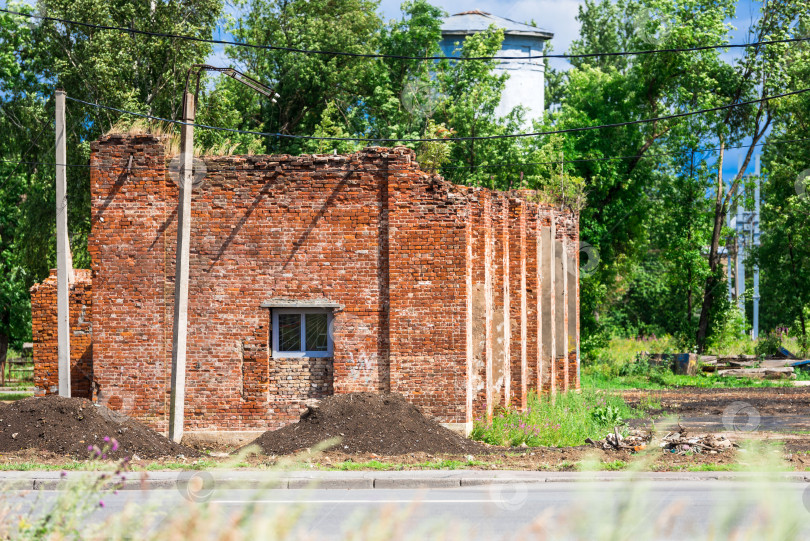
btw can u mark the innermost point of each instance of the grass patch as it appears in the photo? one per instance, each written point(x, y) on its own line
point(38, 466)
point(446, 464)
point(666, 380)
point(369, 465)
point(15, 396)
point(616, 367)
point(616, 465)
point(563, 421)
point(714, 467)
point(197, 465)
point(97, 465)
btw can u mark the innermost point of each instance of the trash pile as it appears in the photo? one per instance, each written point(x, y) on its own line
point(674, 442)
point(679, 443)
point(636, 440)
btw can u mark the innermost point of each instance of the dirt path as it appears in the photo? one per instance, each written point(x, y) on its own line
point(698, 402)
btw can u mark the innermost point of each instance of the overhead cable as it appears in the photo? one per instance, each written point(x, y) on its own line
point(302, 168)
point(402, 57)
point(449, 139)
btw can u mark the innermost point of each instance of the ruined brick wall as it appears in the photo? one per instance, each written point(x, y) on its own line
point(439, 287)
point(131, 217)
point(262, 227)
point(426, 269)
point(43, 323)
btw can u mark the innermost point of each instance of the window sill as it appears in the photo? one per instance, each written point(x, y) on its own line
point(302, 355)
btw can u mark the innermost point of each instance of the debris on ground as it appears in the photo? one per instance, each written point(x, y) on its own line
point(635, 441)
point(386, 424)
point(69, 426)
point(680, 443)
point(785, 372)
point(673, 442)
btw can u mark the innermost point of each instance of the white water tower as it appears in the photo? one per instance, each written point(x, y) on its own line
point(526, 83)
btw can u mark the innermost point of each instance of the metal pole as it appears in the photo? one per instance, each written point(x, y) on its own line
point(179, 333)
point(729, 262)
point(64, 263)
point(741, 245)
point(755, 242)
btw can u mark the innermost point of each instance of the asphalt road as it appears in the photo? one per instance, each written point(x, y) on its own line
point(586, 510)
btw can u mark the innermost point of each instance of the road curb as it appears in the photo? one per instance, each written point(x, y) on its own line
point(23, 481)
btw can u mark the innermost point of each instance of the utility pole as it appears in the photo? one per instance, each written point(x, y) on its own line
point(755, 242)
point(181, 277)
point(180, 329)
point(64, 261)
point(741, 249)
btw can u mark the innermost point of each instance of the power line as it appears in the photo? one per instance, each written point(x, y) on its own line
point(43, 125)
point(402, 57)
point(348, 167)
point(449, 139)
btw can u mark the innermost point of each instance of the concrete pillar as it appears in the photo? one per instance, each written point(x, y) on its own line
point(180, 329)
point(507, 315)
point(566, 334)
point(560, 314)
point(573, 319)
point(548, 296)
point(524, 311)
point(468, 234)
point(64, 263)
point(488, 303)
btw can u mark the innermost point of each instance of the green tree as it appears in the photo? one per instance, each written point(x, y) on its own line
point(309, 83)
point(21, 116)
point(621, 189)
point(113, 68)
point(784, 256)
point(762, 72)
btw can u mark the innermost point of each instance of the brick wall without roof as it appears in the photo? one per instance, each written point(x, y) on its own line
point(43, 323)
point(437, 285)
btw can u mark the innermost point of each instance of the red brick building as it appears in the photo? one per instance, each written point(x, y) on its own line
point(314, 275)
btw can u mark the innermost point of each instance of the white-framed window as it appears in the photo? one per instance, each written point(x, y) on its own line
point(302, 332)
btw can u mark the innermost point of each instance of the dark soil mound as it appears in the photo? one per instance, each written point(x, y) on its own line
point(384, 424)
point(69, 425)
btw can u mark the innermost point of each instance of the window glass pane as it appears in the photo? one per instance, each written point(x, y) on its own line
point(316, 328)
point(289, 332)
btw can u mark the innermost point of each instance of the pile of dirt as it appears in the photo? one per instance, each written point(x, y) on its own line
point(384, 424)
point(68, 426)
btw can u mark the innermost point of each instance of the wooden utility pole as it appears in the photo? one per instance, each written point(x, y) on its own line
point(64, 261)
point(180, 330)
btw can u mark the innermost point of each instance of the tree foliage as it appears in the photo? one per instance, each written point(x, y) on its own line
point(652, 203)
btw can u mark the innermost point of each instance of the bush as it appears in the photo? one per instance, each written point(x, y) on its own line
point(769, 345)
point(730, 332)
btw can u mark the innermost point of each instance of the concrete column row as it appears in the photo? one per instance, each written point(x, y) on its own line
point(523, 305)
